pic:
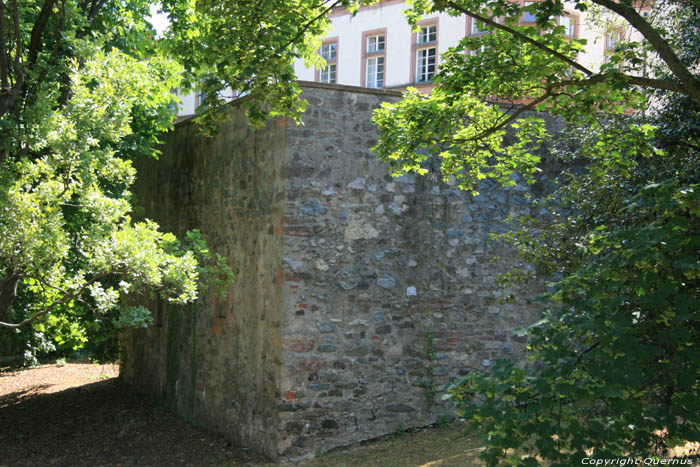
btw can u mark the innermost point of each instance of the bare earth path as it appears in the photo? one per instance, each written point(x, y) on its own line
point(81, 415)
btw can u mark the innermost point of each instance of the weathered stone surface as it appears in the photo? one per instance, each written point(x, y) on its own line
point(233, 189)
point(359, 230)
point(399, 408)
point(344, 277)
point(299, 344)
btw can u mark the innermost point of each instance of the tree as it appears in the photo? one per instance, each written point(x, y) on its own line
point(84, 90)
point(78, 102)
point(613, 368)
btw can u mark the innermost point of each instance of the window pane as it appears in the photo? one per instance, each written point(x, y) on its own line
point(375, 44)
point(375, 72)
point(425, 66)
point(427, 34)
point(328, 51)
point(569, 25)
point(477, 27)
point(328, 74)
point(527, 16)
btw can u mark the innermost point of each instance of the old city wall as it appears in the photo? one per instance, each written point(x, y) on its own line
point(358, 296)
point(390, 290)
point(218, 362)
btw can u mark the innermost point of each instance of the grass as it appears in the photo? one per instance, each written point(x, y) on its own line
point(444, 446)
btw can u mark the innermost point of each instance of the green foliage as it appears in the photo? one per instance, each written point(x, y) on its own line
point(443, 421)
point(399, 432)
point(232, 48)
point(85, 89)
point(420, 127)
point(615, 366)
point(613, 363)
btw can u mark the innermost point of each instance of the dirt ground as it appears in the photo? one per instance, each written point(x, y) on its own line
point(80, 414)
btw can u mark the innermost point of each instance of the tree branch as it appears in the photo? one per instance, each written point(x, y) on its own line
point(66, 298)
point(662, 47)
point(4, 65)
point(95, 7)
point(307, 26)
point(665, 84)
point(8, 97)
point(28, 320)
point(8, 292)
point(595, 79)
point(511, 117)
point(37, 31)
point(520, 36)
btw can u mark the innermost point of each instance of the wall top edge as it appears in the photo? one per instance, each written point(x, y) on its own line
point(309, 85)
point(347, 88)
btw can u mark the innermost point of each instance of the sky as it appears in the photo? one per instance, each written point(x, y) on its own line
point(158, 20)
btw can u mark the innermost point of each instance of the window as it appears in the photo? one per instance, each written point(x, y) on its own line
point(373, 58)
point(569, 24)
point(477, 51)
point(329, 52)
point(477, 27)
point(329, 74)
point(427, 34)
point(529, 17)
point(612, 39)
point(425, 52)
point(375, 43)
point(425, 64)
point(375, 72)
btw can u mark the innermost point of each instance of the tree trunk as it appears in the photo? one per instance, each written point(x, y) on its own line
point(8, 292)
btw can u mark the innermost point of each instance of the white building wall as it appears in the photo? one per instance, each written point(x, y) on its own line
point(348, 31)
point(187, 104)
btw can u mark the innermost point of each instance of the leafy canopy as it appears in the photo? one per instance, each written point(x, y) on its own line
point(85, 89)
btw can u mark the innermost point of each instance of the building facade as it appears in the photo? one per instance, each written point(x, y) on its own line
point(377, 48)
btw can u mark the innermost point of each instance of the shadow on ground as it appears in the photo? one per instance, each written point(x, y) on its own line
point(77, 414)
point(104, 424)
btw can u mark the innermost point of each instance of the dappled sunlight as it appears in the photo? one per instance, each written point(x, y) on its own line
point(52, 378)
point(470, 455)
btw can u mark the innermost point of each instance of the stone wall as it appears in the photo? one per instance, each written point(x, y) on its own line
point(358, 296)
point(389, 288)
point(231, 188)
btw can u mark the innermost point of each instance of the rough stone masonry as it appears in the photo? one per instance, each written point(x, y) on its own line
point(358, 296)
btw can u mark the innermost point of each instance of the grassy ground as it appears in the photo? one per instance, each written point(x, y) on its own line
point(446, 446)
